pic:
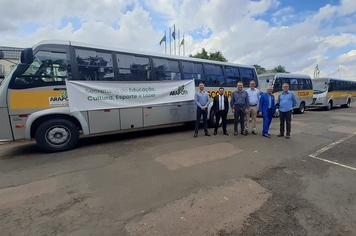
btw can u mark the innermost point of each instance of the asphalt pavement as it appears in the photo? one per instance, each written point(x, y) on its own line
point(165, 182)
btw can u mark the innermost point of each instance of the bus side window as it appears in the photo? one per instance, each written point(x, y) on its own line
point(304, 84)
point(213, 75)
point(165, 69)
point(309, 84)
point(133, 68)
point(232, 76)
point(277, 86)
point(247, 74)
point(47, 69)
point(293, 84)
point(194, 71)
point(93, 65)
point(331, 86)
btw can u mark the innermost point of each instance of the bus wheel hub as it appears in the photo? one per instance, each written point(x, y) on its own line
point(58, 135)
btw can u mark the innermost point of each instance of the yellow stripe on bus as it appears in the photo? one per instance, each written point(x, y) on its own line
point(34, 99)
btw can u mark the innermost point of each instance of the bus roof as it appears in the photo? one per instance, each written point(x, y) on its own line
point(109, 48)
point(285, 75)
point(335, 79)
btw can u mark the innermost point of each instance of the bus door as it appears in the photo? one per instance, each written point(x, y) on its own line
point(5, 128)
point(35, 87)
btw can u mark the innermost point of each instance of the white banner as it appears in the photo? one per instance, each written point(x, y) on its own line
point(97, 95)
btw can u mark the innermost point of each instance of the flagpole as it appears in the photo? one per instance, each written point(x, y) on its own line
point(175, 36)
point(170, 41)
point(165, 42)
point(178, 42)
point(183, 46)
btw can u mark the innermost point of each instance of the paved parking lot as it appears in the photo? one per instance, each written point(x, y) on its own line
point(165, 182)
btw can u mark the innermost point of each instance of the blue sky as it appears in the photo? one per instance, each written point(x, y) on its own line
point(297, 34)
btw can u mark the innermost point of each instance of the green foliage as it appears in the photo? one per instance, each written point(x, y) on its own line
point(260, 69)
point(279, 69)
point(214, 56)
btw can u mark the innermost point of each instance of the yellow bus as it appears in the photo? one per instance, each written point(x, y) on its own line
point(34, 102)
point(301, 85)
point(329, 93)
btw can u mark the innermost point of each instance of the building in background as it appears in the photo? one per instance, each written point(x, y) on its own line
point(11, 57)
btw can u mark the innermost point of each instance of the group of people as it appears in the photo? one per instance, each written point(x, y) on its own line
point(246, 105)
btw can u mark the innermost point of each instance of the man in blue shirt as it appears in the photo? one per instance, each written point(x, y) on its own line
point(267, 108)
point(287, 101)
point(202, 101)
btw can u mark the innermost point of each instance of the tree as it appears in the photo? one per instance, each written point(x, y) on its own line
point(217, 56)
point(279, 69)
point(260, 69)
point(214, 56)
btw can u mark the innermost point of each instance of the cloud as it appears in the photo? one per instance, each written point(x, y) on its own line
point(249, 32)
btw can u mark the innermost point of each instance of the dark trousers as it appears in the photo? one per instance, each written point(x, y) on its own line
point(239, 116)
point(285, 118)
point(267, 119)
point(200, 113)
point(222, 115)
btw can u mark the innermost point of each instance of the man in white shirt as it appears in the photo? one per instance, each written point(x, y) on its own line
point(252, 110)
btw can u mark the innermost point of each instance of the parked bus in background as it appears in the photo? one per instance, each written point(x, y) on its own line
point(301, 85)
point(34, 101)
point(329, 93)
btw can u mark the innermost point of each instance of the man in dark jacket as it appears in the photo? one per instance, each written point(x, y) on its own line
point(239, 104)
point(221, 108)
point(267, 108)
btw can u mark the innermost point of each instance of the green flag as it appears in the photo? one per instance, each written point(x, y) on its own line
point(182, 42)
point(163, 39)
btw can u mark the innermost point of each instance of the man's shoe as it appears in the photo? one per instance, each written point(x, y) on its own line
point(266, 136)
point(207, 134)
point(227, 134)
point(236, 133)
point(195, 135)
point(287, 136)
point(215, 132)
point(280, 135)
point(244, 133)
point(254, 132)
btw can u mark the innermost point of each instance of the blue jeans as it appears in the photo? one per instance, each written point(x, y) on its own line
point(267, 119)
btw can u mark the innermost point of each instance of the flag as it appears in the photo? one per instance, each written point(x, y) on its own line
point(182, 42)
point(174, 32)
point(163, 39)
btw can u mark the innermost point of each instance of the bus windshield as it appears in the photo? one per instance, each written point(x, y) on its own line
point(264, 82)
point(320, 86)
point(8, 76)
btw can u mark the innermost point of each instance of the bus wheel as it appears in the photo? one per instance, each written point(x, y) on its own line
point(57, 135)
point(330, 105)
point(211, 122)
point(348, 104)
point(301, 108)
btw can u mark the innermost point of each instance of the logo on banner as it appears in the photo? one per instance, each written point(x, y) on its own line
point(179, 91)
point(60, 100)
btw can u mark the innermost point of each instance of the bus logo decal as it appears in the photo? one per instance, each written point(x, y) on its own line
point(179, 91)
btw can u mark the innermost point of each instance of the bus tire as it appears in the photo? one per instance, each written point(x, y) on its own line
point(301, 108)
point(330, 105)
point(57, 135)
point(211, 122)
point(348, 104)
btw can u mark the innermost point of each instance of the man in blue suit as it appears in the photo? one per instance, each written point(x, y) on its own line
point(267, 108)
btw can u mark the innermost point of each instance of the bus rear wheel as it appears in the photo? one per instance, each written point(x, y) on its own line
point(301, 108)
point(57, 135)
point(330, 106)
point(348, 104)
point(211, 121)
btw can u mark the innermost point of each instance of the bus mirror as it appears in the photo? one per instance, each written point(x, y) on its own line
point(27, 56)
point(1, 55)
